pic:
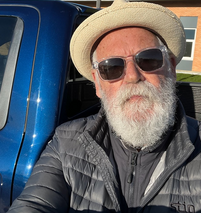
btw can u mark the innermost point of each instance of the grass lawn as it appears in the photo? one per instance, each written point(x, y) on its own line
point(188, 77)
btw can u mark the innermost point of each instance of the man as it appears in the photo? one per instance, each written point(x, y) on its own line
point(140, 153)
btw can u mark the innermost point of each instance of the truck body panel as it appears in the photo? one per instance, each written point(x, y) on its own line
point(37, 65)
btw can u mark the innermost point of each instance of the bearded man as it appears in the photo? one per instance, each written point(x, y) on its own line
point(140, 153)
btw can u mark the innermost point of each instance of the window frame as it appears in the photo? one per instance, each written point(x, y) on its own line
point(193, 45)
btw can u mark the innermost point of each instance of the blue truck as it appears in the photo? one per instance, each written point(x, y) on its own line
point(39, 86)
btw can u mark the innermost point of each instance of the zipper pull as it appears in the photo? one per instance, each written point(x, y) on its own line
point(133, 164)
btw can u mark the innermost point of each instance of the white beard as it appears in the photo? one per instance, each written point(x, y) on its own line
point(141, 123)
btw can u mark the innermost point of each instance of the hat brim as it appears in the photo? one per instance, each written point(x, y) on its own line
point(139, 14)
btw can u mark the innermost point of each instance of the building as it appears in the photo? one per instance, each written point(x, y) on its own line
point(190, 16)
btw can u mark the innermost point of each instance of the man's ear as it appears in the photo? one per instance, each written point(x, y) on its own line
point(96, 83)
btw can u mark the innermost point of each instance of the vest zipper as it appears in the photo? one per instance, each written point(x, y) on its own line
point(133, 164)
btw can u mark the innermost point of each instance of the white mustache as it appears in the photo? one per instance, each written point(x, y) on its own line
point(144, 89)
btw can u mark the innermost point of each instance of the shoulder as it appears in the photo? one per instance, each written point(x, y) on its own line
point(194, 128)
point(194, 132)
point(75, 127)
point(66, 136)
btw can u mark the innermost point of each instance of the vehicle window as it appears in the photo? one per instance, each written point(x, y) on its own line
point(79, 98)
point(7, 25)
point(10, 36)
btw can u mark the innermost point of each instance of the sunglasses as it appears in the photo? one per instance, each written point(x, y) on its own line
point(147, 60)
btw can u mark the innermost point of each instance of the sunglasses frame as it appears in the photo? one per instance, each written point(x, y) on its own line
point(162, 48)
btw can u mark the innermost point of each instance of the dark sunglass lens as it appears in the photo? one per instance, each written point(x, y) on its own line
point(149, 60)
point(111, 68)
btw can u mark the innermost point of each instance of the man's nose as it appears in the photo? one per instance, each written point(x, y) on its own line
point(132, 73)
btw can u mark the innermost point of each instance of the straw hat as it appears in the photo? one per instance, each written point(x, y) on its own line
point(154, 17)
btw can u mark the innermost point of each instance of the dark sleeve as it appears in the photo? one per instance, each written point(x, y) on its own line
point(46, 190)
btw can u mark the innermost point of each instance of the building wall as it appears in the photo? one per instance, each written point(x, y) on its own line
point(192, 12)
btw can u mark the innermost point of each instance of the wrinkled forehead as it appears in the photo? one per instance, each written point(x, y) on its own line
point(135, 34)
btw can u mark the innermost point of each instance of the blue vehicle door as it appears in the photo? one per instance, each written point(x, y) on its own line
point(19, 26)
